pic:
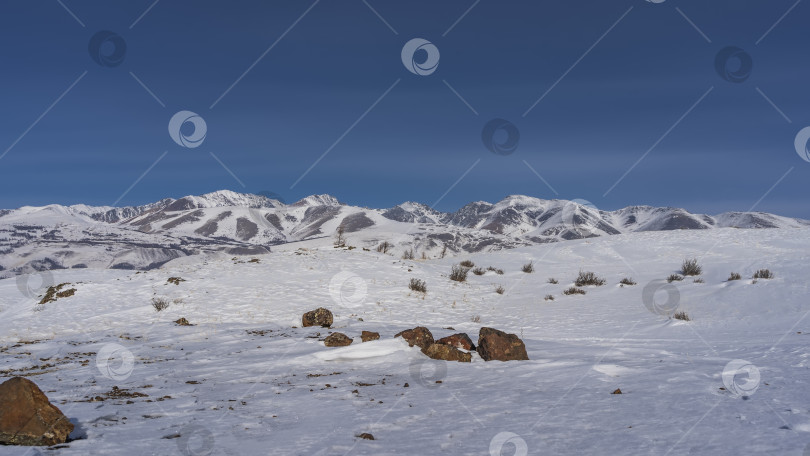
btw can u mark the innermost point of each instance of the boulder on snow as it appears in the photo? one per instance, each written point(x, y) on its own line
point(369, 335)
point(419, 336)
point(317, 317)
point(459, 340)
point(447, 353)
point(182, 322)
point(500, 346)
point(28, 418)
point(337, 340)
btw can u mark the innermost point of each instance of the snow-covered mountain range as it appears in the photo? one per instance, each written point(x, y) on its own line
point(231, 223)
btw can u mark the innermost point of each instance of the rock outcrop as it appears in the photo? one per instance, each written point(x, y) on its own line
point(28, 418)
point(337, 340)
point(419, 336)
point(494, 345)
point(318, 317)
point(459, 340)
point(447, 353)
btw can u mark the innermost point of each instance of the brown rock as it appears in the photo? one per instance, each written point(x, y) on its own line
point(183, 322)
point(459, 340)
point(365, 436)
point(369, 335)
point(419, 336)
point(500, 346)
point(317, 317)
point(448, 353)
point(618, 391)
point(337, 340)
point(28, 418)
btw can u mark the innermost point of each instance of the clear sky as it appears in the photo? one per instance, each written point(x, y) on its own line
point(590, 86)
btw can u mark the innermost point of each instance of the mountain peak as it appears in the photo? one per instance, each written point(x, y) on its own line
point(318, 200)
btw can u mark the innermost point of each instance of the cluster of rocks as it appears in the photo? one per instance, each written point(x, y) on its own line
point(323, 318)
point(493, 345)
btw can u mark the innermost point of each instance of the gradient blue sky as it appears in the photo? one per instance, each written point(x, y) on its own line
point(308, 90)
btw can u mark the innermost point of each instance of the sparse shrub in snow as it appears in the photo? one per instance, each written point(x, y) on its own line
point(627, 281)
point(467, 264)
point(681, 316)
point(340, 238)
point(476, 318)
point(458, 273)
point(699, 280)
point(553, 281)
point(384, 247)
point(495, 270)
point(588, 278)
point(573, 291)
point(160, 303)
point(549, 297)
point(408, 254)
point(444, 251)
point(734, 276)
point(674, 278)
point(528, 267)
point(478, 271)
point(691, 268)
point(500, 289)
point(763, 274)
point(418, 285)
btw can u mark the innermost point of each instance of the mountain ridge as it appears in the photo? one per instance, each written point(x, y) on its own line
point(232, 223)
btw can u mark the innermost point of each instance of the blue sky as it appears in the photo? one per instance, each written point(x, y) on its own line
point(617, 76)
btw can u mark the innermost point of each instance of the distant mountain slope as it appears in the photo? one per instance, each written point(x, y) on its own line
point(143, 237)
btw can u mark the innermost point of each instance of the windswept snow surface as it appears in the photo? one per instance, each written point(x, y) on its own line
point(247, 379)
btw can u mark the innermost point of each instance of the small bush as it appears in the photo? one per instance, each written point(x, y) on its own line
point(340, 236)
point(160, 304)
point(528, 268)
point(552, 280)
point(384, 247)
point(467, 264)
point(674, 278)
point(588, 278)
point(458, 273)
point(681, 316)
point(475, 319)
point(478, 271)
point(418, 285)
point(500, 289)
point(699, 280)
point(574, 291)
point(495, 270)
point(627, 281)
point(763, 274)
point(407, 255)
point(734, 276)
point(691, 268)
point(549, 298)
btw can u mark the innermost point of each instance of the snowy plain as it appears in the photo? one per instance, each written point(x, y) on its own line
point(247, 379)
